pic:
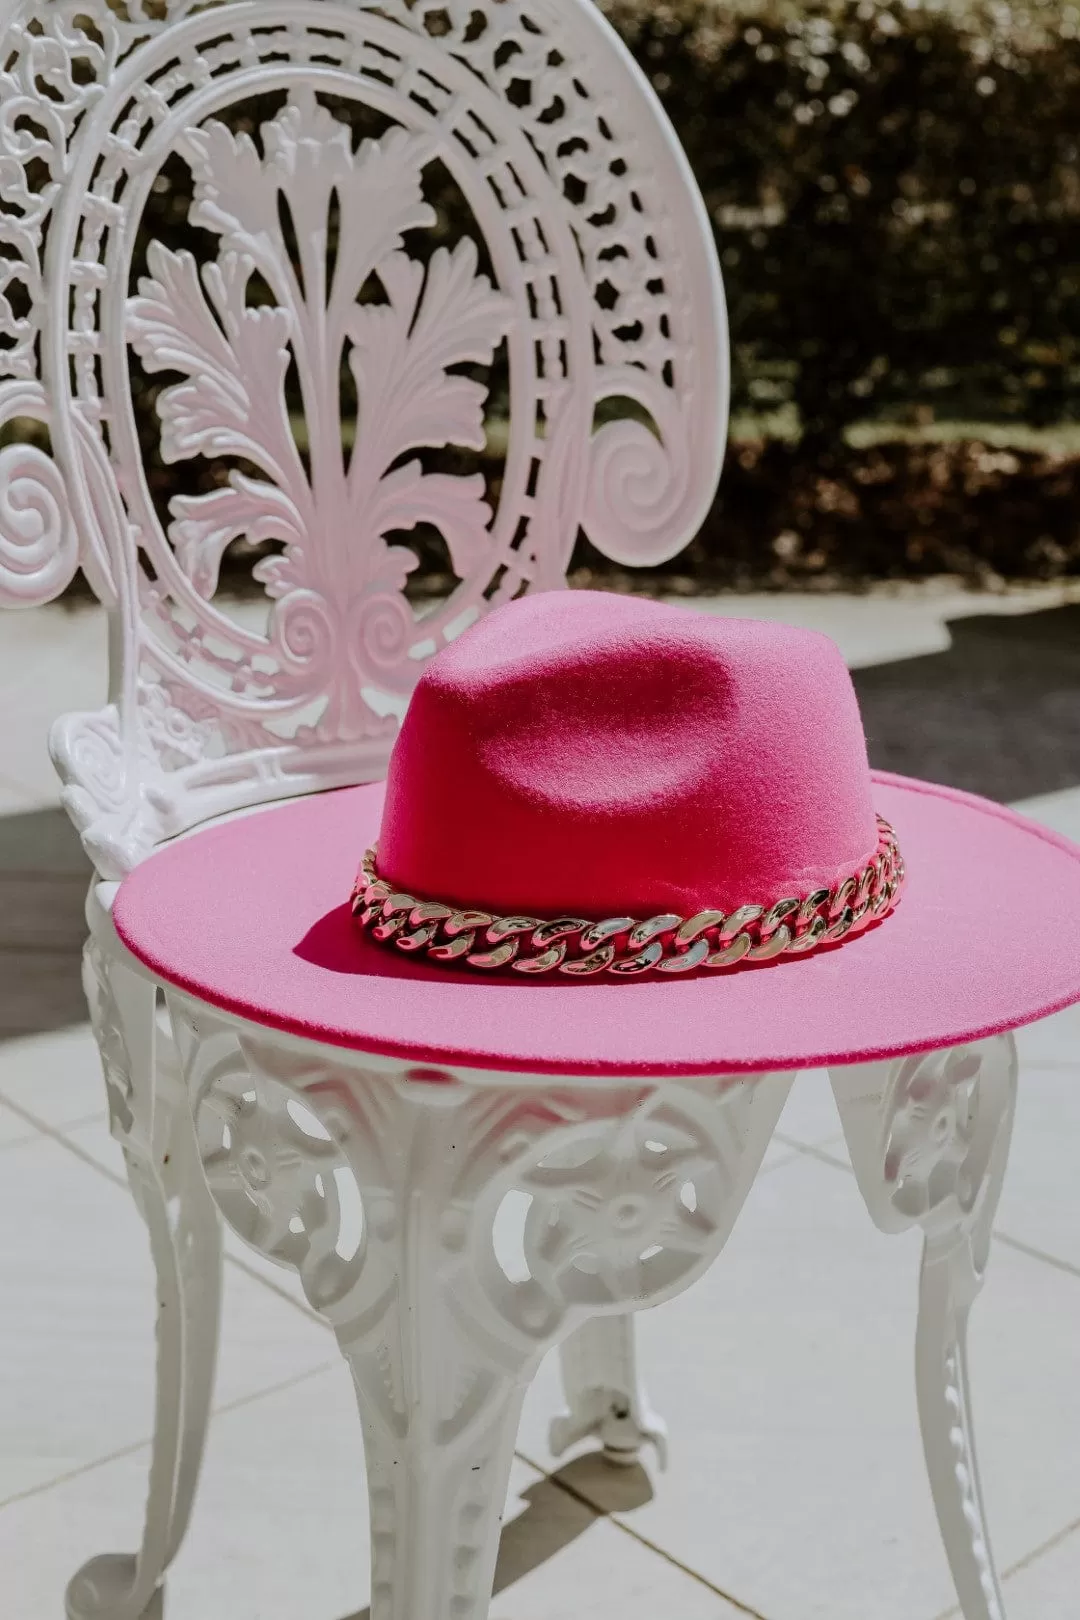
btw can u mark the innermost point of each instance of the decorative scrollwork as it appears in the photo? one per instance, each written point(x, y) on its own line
point(56, 62)
point(332, 612)
point(929, 1138)
point(944, 1113)
point(39, 548)
point(622, 1208)
point(928, 1135)
point(110, 795)
point(111, 1041)
point(638, 487)
point(929, 1150)
point(631, 1189)
point(274, 1171)
point(39, 551)
point(587, 268)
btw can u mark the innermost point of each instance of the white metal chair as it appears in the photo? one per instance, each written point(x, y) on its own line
point(314, 278)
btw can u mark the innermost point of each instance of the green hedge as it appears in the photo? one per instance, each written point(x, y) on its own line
point(785, 519)
point(895, 186)
point(896, 192)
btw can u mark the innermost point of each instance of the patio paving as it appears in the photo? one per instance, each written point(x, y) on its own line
point(796, 1489)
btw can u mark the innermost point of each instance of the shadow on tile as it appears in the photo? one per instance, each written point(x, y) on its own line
point(995, 714)
point(44, 875)
point(557, 1512)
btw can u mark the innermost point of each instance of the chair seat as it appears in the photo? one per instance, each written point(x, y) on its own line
point(252, 916)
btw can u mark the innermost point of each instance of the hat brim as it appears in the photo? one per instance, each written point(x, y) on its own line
point(252, 916)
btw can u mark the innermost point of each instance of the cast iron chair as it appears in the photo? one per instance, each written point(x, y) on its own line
point(313, 143)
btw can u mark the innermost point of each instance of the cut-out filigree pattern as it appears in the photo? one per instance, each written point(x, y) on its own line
point(629, 1193)
point(945, 1111)
point(338, 586)
point(596, 282)
point(634, 1189)
point(929, 1138)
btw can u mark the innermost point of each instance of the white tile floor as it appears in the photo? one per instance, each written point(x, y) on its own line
point(795, 1490)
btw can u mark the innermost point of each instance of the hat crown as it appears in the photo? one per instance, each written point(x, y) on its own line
point(592, 754)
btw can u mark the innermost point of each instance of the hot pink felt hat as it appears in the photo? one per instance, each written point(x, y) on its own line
point(623, 838)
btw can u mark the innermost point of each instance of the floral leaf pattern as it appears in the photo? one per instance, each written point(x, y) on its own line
point(236, 363)
point(455, 505)
point(402, 329)
point(204, 525)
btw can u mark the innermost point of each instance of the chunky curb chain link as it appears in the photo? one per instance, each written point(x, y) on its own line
point(624, 945)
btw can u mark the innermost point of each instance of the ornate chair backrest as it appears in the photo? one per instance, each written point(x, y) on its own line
point(314, 146)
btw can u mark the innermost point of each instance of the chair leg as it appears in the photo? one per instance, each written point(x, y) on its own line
point(929, 1139)
point(440, 1416)
point(948, 1437)
point(150, 1118)
point(382, 1185)
point(605, 1397)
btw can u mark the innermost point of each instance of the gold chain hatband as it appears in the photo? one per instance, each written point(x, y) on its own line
point(625, 945)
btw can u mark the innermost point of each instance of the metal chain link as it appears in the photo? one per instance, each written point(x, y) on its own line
point(626, 945)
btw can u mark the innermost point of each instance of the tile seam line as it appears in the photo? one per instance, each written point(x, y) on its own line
point(145, 1441)
point(306, 1376)
point(56, 1135)
point(1022, 1563)
point(809, 1151)
point(805, 1149)
point(643, 1541)
point(21, 1141)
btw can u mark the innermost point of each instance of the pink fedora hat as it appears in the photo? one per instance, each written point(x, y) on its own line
point(618, 837)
